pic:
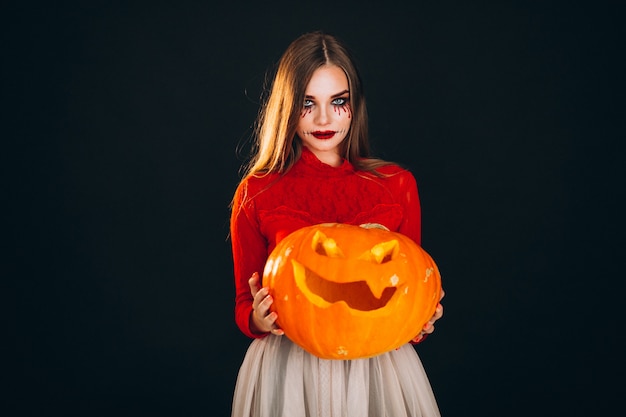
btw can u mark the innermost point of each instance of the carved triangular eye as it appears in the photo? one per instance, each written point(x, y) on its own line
point(326, 246)
point(382, 252)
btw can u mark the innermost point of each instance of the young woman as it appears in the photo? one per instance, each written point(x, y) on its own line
point(312, 165)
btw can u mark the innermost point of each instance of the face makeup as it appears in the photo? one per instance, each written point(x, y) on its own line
point(326, 113)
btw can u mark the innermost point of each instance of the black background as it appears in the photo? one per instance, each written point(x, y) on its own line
point(126, 126)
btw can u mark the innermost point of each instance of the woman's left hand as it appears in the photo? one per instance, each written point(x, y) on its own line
point(429, 327)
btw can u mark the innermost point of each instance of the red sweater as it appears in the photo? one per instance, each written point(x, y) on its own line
point(266, 209)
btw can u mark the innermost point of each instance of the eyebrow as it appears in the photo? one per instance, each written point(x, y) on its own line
point(333, 96)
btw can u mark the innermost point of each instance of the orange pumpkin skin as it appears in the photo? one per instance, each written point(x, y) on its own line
point(349, 292)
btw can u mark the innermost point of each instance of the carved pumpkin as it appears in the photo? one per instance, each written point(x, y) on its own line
point(347, 292)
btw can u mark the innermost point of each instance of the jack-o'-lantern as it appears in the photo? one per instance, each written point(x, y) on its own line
point(347, 292)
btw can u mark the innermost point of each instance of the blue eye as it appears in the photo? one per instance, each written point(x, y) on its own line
point(308, 103)
point(341, 101)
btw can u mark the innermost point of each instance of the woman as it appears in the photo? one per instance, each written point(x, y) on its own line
point(312, 165)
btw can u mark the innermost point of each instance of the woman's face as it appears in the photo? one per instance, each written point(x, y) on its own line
point(326, 114)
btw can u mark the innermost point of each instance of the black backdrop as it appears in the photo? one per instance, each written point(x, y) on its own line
point(122, 134)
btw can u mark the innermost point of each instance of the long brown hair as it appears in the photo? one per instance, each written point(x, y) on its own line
point(276, 146)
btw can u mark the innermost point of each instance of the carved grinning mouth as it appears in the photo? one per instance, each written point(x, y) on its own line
point(356, 294)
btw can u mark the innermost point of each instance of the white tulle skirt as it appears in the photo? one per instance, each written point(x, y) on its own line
point(279, 379)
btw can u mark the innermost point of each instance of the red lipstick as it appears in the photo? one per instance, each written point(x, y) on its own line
point(327, 134)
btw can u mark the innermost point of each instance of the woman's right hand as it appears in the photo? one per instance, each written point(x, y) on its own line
point(262, 320)
point(429, 327)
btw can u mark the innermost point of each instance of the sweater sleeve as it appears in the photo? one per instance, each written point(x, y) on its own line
point(411, 225)
point(412, 222)
point(249, 248)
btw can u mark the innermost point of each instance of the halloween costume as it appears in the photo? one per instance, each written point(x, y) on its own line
point(278, 378)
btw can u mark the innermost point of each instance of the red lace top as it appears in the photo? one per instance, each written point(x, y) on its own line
point(268, 208)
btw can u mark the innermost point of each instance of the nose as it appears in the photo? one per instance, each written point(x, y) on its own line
point(322, 117)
